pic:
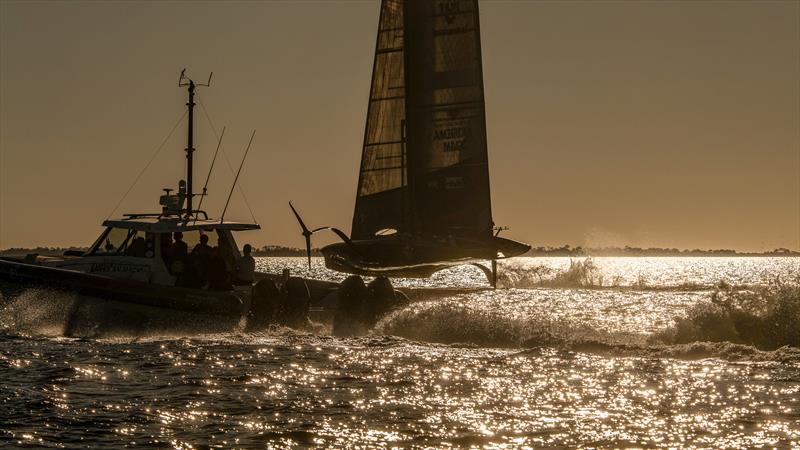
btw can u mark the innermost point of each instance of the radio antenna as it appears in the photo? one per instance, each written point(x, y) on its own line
point(222, 216)
point(210, 169)
point(183, 80)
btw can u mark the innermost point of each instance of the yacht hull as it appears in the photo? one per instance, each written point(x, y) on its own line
point(406, 257)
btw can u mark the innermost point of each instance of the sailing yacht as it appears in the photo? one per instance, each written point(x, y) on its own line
point(423, 200)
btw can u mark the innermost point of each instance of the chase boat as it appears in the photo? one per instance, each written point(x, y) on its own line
point(131, 260)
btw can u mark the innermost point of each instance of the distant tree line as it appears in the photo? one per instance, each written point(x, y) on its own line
point(44, 251)
point(267, 250)
point(565, 250)
point(278, 250)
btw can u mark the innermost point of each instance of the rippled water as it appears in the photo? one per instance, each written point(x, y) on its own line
point(527, 365)
point(648, 271)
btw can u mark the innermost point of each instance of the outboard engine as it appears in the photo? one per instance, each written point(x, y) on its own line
point(349, 318)
point(381, 300)
point(264, 304)
point(295, 299)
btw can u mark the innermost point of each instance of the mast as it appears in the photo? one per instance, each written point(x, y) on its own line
point(186, 81)
point(189, 149)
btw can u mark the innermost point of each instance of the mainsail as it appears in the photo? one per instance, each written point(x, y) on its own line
point(424, 165)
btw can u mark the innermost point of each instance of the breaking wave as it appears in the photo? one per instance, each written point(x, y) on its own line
point(448, 323)
point(766, 317)
point(581, 273)
point(584, 273)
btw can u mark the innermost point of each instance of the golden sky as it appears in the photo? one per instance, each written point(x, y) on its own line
point(652, 123)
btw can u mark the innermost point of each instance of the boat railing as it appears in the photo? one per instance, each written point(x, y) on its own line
point(189, 214)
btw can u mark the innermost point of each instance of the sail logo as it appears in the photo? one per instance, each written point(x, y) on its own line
point(453, 139)
point(448, 9)
point(454, 183)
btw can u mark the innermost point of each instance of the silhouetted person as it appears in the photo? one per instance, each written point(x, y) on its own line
point(166, 250)
point(245, 267)
point(201, 254)
point(218, 272)
point(179, 248)
point(202, 248)
point(180, 266)
point(137, 248)
point(178, 251)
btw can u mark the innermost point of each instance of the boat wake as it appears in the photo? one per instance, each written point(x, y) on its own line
point(583, 273)
point(36, 311)
point(762, 325)
point(740, 325)
point(453, 323)
point(766, 317)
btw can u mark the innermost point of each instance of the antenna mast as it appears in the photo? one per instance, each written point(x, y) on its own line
point(222, 216)
point(186, 81)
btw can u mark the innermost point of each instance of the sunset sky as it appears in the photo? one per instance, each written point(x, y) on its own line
point(667, 124)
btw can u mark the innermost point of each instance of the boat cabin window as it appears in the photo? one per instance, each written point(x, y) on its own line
point(140, 244)
point(110, 242)
point(123, 241)
point(192, 238)
point(218, 243)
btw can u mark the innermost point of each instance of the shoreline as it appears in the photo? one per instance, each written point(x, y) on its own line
point(279, 251)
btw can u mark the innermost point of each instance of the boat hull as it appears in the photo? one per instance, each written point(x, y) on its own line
point(225, 303)
point(407, 257)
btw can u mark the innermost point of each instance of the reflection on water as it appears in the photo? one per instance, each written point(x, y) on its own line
point(660, 272)
point(508, 368)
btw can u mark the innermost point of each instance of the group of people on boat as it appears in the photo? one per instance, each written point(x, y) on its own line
point(205, 266)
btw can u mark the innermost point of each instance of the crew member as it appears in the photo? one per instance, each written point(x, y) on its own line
point(137, 248)
point(217, 272)
point(166, 250)
point(179, 252)
point(202, 249)
point(201, 255)
point(179, 247)
point(245, 267)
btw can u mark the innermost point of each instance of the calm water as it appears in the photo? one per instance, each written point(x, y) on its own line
point(548, 360)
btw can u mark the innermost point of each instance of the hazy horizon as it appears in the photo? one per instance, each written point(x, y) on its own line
point(652, 124)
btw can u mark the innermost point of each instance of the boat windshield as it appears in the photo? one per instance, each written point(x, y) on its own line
point(123, 241)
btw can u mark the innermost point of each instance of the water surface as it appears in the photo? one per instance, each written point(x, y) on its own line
point(537, 363)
